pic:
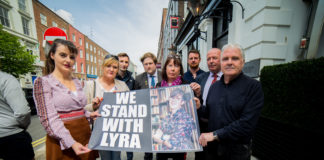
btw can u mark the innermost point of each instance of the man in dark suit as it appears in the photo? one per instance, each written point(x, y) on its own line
point(151, 76)
point(205, 80)
point(148, 79)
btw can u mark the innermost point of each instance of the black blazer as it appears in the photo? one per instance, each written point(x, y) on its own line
point(141, 81)
point(201, 80)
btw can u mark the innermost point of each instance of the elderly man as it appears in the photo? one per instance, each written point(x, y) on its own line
point(233, 106)
point(205, 80)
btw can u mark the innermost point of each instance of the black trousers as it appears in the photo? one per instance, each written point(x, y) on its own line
point(16, 147)
point(217, 151)
point(174, 156)
point(148, 156)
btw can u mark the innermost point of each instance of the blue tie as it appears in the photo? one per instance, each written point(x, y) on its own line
point(152, 82)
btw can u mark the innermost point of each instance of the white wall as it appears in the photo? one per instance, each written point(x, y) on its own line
point(270, 31)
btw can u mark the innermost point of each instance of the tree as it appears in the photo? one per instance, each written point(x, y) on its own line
point(14, 58)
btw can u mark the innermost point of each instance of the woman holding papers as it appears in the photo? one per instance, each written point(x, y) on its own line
point(172, 74)
point(94, 91)
point(59, 100)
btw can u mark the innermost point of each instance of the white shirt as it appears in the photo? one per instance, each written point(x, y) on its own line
point(150, 79)
point(208, 84)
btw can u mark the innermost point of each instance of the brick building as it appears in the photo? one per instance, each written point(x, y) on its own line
point(77, 38)
point(44, 19)
point(94, 58)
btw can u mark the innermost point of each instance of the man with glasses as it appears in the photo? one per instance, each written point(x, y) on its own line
point(148, 79)
point(194, 70)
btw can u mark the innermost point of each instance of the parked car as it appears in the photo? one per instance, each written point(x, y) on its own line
point(30, 100)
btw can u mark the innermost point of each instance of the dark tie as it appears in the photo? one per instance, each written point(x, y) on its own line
point(215, 78)
point(152, 82)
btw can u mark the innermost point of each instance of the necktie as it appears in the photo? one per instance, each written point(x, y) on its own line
point(152, 82)
point(215, 78)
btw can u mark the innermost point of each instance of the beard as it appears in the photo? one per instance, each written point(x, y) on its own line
point(194, 66)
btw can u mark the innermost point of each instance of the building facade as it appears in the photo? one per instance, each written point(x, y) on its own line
point(173, 22)
point(17, 18)
point(160, 52)
point(269, 31)
point(77, 38)
point(44, 19)
point(94, 58)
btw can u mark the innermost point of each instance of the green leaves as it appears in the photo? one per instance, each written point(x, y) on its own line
point(14, 57)
point(294, 93)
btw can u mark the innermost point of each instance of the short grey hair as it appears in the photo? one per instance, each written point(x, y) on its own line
point(230, 45)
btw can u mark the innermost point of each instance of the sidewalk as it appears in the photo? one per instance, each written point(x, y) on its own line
point(40, 155)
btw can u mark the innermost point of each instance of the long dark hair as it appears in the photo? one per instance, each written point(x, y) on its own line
point(49, 63)
point(176, 61)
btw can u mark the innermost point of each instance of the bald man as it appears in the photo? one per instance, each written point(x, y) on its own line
point(205, 80)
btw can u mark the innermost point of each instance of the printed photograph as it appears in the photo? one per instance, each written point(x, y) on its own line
point(174, 119)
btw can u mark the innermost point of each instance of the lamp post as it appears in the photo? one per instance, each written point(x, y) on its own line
point(196, 8)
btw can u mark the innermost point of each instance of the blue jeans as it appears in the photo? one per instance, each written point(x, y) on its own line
point(129, 155)
point(109, 155)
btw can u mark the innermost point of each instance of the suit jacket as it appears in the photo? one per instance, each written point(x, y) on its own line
point(141, 81)
point(201, 80)
point(203, 122)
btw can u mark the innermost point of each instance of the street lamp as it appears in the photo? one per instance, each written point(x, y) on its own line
point(196, 8)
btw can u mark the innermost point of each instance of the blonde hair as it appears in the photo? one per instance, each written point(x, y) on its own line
point(110, 61)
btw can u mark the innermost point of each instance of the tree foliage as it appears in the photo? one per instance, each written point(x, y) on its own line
point(14, 58)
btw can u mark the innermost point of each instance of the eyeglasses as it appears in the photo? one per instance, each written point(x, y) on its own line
point(111, 56)
point(174, 56)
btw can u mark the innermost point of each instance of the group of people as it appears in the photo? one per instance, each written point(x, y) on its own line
point(228, 102)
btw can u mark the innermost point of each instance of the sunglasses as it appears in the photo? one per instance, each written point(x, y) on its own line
point(111, 56)
point(174, 56)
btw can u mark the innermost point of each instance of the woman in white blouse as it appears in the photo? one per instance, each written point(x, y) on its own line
point(94, 91)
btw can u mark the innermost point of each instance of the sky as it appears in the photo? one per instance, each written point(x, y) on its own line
point(131, 26)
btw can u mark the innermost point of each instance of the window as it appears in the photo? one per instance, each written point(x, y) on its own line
point(73, 37)
point(94, 48)
point(87, 56)
point(91, 69)
point(76, 67)
point(81, 53)
point(64, 30)
point(22, 5)
point(4, 17)
point(91, 58)
point(54, 24)
point(81, 67)
point(43, 19)
point(96, 70)
point(95, 59)
point(25, 25)
point(90, 47)
point(80, 41)
point(99, 52)
point(88, 69)
point(87, 45)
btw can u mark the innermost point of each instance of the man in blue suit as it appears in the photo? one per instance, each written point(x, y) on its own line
point(205, 80)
